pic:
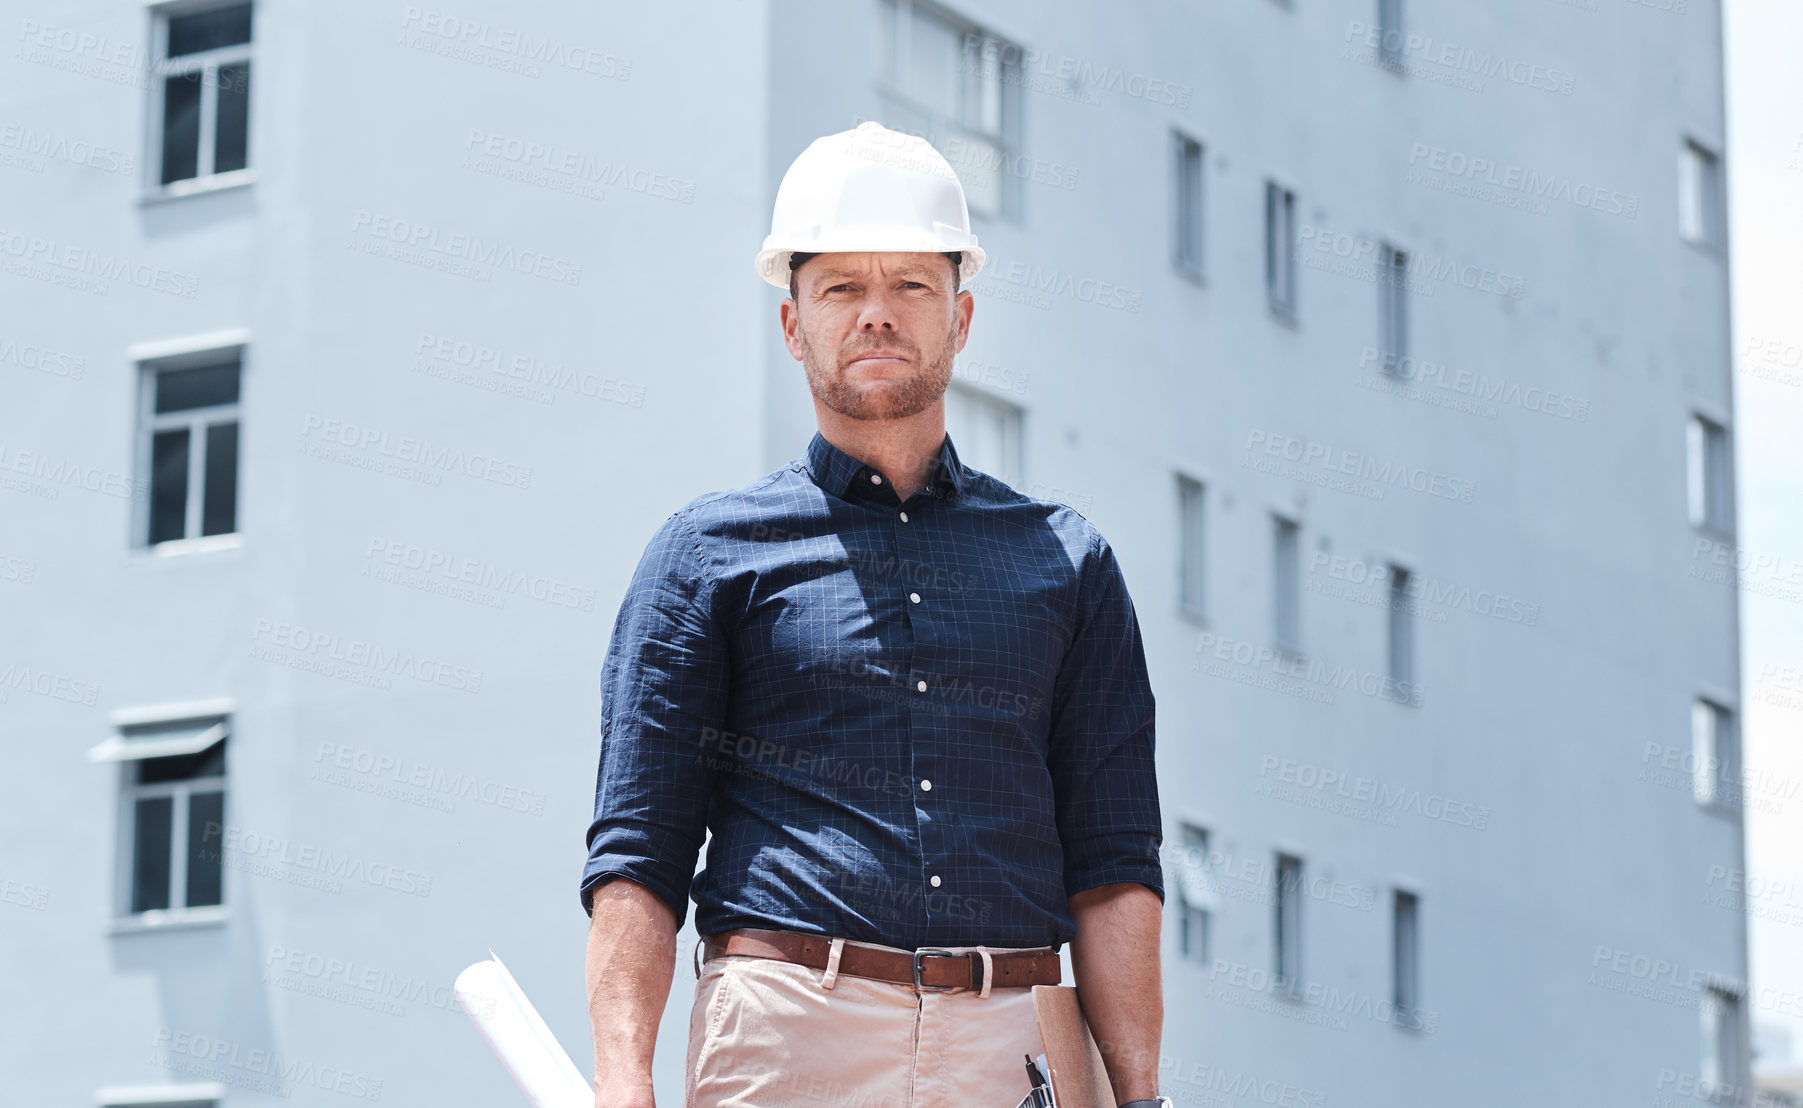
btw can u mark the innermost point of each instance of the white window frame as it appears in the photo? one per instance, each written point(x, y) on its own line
point(1392, 306)
point(207, 63)
point(1405, 957)
point(1701, 210)
point(1286, 584)
point(1709, 475)
point(1286, 925)
point(1192, 557)
point(975, 96)
point(1280, 249)
point(1715, 756)
point(1189, 161)
point(209, 723)
point(964, 405)
point(1197, 898)
point(1401, 632)
point(196, 421)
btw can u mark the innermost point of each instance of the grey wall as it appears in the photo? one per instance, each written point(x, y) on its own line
point(1544, 728)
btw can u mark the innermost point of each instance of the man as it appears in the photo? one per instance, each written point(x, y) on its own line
point(910, 704)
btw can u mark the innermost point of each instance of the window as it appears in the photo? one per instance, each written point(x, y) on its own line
point(1287, 925)
point(1392, 306)
point(202, 84)
point(1715, 756)
point(1389, 27)
point(188, 446)
point(1190, 577)
point(1700, 195)
point(1187, 195)
point(1286, 585)
point(957, 86)
point(1196, 897)
point(1707, 450)
point(1280, 249)
point(172, 814)
point(1721, 1068)
point(1405, 961)
point(986, 432)
point(1402, 634)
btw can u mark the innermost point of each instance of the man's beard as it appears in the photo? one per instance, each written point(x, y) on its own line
point(878, 399)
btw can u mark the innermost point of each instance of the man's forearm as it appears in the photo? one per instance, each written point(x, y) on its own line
point(1115, 958)
point(631, 960)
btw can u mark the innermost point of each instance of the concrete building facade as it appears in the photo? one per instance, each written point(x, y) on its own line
point(350, 353)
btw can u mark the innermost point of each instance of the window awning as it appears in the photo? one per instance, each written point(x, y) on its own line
point(131, 1096)
point(164, 742)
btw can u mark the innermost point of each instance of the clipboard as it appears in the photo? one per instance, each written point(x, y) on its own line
point(1078, 1077)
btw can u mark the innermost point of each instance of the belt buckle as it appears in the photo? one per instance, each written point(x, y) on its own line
point(933, 950)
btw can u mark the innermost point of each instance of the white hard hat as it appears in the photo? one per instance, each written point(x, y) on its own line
point(868, 189)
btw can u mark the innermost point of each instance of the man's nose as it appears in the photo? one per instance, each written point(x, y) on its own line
point(876, 312)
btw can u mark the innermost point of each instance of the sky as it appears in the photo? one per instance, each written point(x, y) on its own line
point(1764, 44)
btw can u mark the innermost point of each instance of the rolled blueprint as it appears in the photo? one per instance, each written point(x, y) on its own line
point(501, 1012)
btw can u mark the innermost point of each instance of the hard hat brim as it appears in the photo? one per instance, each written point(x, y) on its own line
point(772, 262)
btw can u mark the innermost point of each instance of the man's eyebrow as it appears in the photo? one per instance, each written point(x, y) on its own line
point(830, 277)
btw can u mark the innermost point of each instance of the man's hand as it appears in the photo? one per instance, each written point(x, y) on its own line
point(1115, 958)
point(631, 960)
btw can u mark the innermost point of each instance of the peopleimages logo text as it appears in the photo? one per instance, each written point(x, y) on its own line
point(81, 261)
point(464, 247)
point(421, 452)
point(361, 652)
point(1529, 182)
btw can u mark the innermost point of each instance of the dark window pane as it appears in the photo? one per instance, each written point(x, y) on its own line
point(150, 854)
point(208, 763)
point(219, 498)
point(190, 34)
point(206, 823)
point(233, 118)
point(181, 389)
point(168, 485)
point(181, 127)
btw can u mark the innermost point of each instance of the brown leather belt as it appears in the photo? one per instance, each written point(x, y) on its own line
point(928, 969)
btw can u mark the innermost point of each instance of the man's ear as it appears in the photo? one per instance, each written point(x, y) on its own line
point(790, 315)
point(963, 305)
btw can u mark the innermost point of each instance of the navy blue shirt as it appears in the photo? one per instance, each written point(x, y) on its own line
point(913, 723)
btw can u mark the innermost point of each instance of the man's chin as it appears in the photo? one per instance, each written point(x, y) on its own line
point(870, 412)
point(888, 400)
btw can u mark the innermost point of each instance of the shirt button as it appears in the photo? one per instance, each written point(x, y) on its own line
point(914, 596)
point(876, 478)
point(904, 516)
point(921, 685)
point(925, 785)
point(935, 880)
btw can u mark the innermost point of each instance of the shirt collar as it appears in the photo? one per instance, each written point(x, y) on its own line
point(837, 472)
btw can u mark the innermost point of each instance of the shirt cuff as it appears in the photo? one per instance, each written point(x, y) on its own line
point(629, 854)
point(1106, 859)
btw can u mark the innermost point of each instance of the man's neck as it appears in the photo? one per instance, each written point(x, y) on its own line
point(903, 450)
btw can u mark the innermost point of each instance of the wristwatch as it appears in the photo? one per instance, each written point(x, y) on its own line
point(1149, 1102)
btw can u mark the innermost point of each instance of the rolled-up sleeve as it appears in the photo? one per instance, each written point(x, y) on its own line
point(1101, 753)
point(663, 686)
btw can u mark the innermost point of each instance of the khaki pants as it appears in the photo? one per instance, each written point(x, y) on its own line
point(764, 1033)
